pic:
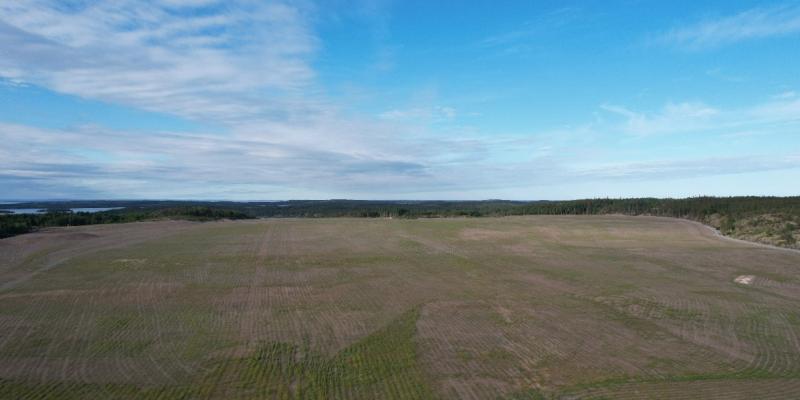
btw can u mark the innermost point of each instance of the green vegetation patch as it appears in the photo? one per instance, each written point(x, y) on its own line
point(382, 365)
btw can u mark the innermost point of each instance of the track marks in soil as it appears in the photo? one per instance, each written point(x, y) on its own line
point(551, 307)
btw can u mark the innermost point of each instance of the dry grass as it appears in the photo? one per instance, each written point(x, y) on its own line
point(527, 307)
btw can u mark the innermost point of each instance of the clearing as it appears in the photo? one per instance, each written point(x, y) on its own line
point(572, 307)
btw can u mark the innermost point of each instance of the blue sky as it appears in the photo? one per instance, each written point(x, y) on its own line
point(247, 100)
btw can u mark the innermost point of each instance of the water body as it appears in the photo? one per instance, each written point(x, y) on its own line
point(94, 209)
point(42, 211)
point(24, 210)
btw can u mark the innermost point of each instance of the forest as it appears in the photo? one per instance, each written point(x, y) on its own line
point(15, 224)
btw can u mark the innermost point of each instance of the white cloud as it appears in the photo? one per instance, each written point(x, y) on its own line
point(248, 66)
point(546, 22)
point(755, 23)
point(421, 114)
point(786, 110)
point(97, 162)
point(245, 65)
point(236, 61)
point(711, 166)
point(790, 94)
point(719, 73)
point(674, 117)
point(700, 118)
point(82, 156)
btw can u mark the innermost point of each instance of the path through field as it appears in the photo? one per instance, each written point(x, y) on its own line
point(521, 308)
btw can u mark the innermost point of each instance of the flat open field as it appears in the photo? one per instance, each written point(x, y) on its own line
point(524, 307)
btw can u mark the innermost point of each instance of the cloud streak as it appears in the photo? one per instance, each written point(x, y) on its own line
point(700, 118)
point(209, 166)
point(712, 166)
point(757, 23)
point(200, 60)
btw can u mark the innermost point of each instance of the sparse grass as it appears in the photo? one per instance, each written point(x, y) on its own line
point(382, 365)
point(514, 308)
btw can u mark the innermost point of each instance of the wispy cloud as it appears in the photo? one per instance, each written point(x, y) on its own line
point(89, 157)
point(541, 24)
point(427, 114)
point(531, 34)
point(755, 23)
point(248, 66)
point(244, 65)
point(98, 162)
point(719, 73)
point(789, 94)
point(197, 59)
point(672, 169)
point(700, 118)
point(674, 117)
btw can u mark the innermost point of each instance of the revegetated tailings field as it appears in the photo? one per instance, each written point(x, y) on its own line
point(476, 308)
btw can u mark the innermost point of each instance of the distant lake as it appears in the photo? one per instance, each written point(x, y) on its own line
point(94, 209)
point(42, 211)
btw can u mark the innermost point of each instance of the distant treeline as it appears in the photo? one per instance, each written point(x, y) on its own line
point(693, 208)
point(721, 212)
point(15, 224)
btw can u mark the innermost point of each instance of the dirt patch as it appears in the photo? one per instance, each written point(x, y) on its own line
point(505, 314)
point(485, 234)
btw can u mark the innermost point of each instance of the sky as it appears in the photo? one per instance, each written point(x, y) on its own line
point(371, 99)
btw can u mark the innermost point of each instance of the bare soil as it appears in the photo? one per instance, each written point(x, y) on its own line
point(521, 307)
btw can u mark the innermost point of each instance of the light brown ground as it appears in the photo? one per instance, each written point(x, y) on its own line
point(566, 307)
